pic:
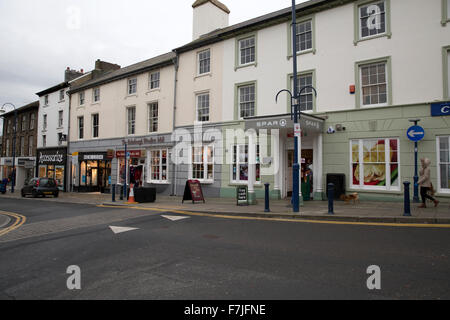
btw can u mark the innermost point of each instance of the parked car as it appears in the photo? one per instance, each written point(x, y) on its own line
point(41, 187)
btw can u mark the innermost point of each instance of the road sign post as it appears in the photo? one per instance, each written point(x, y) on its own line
point(415, 134)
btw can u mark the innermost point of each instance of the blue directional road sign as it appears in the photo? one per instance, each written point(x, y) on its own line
point(415, 133)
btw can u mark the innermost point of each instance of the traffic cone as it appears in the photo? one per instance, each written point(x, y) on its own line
point(131, 197)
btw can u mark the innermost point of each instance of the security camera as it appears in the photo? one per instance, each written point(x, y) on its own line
point(331, 130)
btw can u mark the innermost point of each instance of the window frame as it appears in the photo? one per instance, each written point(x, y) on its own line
point(199, 62)
point(151, 81)
point(300, 20)
point(439, 163)
point(290, 85)
point(204, 163)
point(44, 122)
point(237, 99)
point(238, 163)
point(46, 100)
point(24, 122)
point(94, 96)
point(80, 127)
point(44, 140)
point(238, 40)
point(60, 118)
point(32, 121)
point(61, 95)
point(160, 165)
point(358, 90)
point(128, 109)
point(30, 145)
point(388, 187)
point(197, 101)
point(131, 86)
point(81, 98)
point(445, 6)
point(151, 117)
point(94, 127)
point(446, 72)
point(357, 21)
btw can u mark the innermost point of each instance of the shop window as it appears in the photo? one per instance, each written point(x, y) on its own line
point(239, 166)
point(135, 171)
point(158, 166)
point(443, 149)
point(375, 164)
point(202, 167)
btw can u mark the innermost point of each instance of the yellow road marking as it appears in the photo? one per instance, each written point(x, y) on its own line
point(20, 220)
point(383, 224)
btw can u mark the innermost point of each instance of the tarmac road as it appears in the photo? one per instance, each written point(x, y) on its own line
point(201, 257)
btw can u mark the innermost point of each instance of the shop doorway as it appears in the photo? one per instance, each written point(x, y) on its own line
point(306, 173)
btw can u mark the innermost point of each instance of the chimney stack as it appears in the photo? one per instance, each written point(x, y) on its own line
point(69, 74)
point(209, 15)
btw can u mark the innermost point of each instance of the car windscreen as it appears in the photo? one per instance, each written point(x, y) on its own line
point(47, 182)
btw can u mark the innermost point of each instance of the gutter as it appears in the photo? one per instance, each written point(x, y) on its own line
point(174, 166)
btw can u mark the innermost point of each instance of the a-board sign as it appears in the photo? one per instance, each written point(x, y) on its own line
point(241, 196)
point(193, 191)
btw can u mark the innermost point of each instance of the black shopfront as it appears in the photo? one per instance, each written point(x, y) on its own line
point(52, 163)
point(95, 172)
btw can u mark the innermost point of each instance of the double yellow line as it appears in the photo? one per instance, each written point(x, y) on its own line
point(19, 220)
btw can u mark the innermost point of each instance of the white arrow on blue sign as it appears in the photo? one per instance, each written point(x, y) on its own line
point(415, 133)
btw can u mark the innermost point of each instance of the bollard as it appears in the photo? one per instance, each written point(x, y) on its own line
point(113, 192)
point(407, 203)
point(266, 202)
point(121, 193)
point(330, 198)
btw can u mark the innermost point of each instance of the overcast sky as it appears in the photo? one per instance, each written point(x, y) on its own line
point(41, 38)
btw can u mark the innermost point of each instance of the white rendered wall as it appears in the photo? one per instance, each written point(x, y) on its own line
point(415, 50)
point(52, 112)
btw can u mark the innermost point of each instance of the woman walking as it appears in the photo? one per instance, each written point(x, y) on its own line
point(425, 182)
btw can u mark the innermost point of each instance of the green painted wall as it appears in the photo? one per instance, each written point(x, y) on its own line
point(382, 122)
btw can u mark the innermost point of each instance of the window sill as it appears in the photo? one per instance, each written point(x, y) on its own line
point(313, 51)
point(133, 95)
point(153, 90)
point(159, 182)
point(257, 184)
point(207, 74)
point(387, 35)
point(94, 103)
point(204, 181)
point(374, 190)
point(245, 65)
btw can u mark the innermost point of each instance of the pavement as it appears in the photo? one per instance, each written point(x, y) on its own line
point(364, 211)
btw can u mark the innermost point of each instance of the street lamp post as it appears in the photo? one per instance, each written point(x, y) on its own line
point(13, 176)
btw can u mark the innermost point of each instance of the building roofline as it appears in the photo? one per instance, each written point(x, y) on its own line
point(59, 86)
point(125, 72)
point(273, 18)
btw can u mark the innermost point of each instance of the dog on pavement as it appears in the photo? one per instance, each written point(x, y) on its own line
point(350, 197)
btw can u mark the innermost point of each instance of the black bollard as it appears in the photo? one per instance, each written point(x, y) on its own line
point(330, 198)
point(266, 202)
point(407, 203)
point(121, 193)
point(113, 192)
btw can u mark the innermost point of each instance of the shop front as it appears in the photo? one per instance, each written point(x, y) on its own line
point(135, 170)
point(52, 163)
point(94, 172)
point(24, 166)
point(280, 156)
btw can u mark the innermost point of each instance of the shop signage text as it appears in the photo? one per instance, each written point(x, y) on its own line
point(144, 141)
point(132, 153)
point(440, 109)
point(51, 158)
